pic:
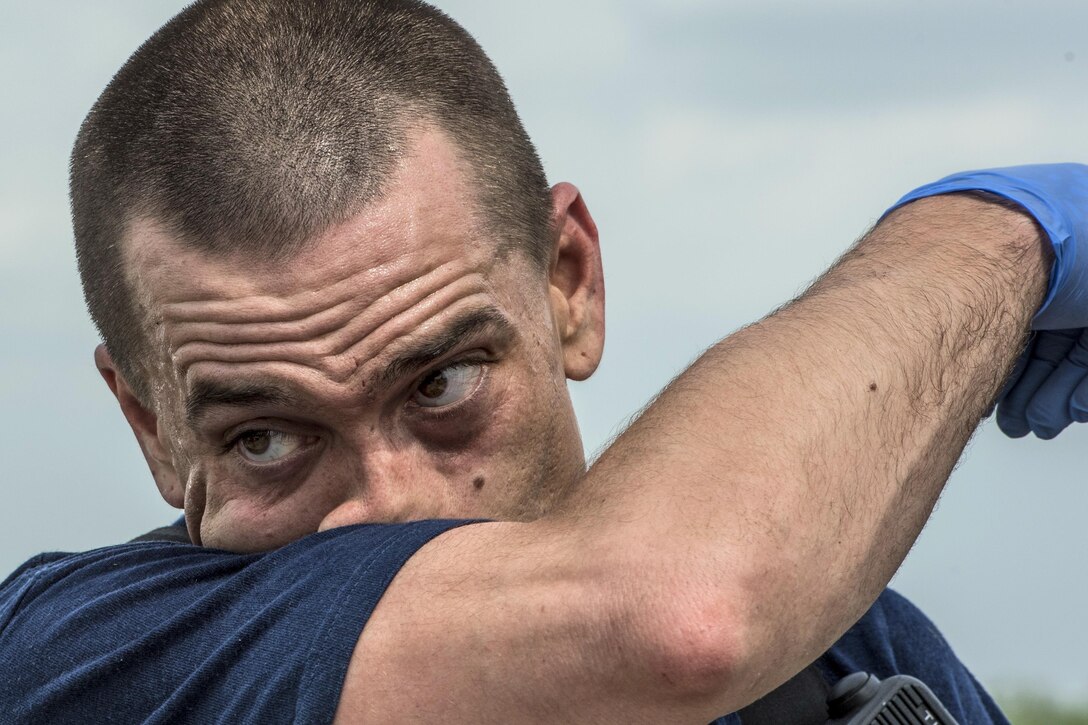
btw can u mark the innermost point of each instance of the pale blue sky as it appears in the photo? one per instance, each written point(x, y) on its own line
point(729, 151)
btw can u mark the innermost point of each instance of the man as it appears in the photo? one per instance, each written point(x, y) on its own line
point(335, 290)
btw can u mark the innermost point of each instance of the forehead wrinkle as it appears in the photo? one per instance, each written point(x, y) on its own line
point(409, 325)
point(337, 356)
point(424, 307)
point(315, 327)
point(273, 325)
point(466, 318)
point(298, 305)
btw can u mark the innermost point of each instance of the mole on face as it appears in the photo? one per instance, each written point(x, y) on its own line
point(478, 482)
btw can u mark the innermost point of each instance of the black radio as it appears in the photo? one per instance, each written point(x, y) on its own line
point(862, 699)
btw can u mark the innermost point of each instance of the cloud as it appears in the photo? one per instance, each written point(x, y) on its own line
point(34, 232)
point(551, 42)
point(833, 147)
point(738, 211)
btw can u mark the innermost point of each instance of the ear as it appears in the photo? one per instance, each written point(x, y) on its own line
point(145, 425)
point(576, 281)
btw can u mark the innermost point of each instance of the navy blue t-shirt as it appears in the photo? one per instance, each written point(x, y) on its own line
point(163, 632)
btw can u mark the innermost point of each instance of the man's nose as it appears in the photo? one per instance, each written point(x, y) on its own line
point(389, 486)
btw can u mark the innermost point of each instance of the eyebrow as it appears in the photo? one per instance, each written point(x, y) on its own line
point(208, 394)
point(423, 352)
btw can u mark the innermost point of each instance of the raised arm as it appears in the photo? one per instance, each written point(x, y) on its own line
point(747, 518)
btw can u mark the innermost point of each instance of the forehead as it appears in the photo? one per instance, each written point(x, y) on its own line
point(410, 260)
point(427, 212)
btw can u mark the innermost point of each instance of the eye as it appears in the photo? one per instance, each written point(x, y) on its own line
point(447, 385)
point(267, 446)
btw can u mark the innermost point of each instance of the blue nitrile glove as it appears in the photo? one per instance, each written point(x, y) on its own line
point(1049, 388)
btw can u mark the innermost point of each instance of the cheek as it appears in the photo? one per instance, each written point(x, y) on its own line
point(526, 453)
point(246, 525)
point(240, 515)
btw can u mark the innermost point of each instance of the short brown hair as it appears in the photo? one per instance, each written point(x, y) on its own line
point(255, 124)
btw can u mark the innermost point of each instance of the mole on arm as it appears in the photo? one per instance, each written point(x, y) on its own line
point(478, 482)
point(872, 386)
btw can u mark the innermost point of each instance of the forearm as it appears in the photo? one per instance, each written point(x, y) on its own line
point(788, 470)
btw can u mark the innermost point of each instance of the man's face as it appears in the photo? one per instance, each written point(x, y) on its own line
point(394, 369)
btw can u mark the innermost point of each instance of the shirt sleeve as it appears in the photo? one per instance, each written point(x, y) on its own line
point(165, 632)
point(896, 638)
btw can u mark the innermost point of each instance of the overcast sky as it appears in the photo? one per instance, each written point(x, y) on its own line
point(729, 152)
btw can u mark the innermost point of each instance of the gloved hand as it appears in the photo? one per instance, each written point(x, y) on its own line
point(1049, 387)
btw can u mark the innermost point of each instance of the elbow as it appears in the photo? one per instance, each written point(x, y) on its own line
point(699, 650)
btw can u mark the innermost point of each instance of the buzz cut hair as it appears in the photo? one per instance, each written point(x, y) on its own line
point(254, 125)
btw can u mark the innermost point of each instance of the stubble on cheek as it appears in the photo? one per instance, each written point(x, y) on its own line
point(554, 472)
point(549, 454)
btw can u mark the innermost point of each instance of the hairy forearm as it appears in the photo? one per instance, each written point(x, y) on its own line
point(787, 472)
